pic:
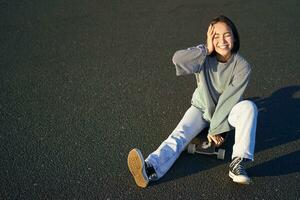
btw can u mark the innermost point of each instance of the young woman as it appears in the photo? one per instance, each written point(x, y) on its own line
point(222, 75)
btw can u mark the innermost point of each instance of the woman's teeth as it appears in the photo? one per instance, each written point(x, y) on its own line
point(223, 46)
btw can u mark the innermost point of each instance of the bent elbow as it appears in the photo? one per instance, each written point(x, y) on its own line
point(175, 58)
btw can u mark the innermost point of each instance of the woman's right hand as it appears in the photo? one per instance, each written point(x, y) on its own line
point(217, 139)
point(209, 40)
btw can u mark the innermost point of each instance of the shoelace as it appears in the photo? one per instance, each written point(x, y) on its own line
point(237, 167)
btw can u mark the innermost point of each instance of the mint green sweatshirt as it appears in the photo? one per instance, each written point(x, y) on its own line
point(219, 85)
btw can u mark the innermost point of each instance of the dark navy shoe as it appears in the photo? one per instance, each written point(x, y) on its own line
point(237, 171)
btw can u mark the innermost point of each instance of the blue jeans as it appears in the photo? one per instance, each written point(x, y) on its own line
point(243, 117)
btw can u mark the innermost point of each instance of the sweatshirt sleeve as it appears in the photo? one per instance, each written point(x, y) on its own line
point(228, 99)
point(190, 60)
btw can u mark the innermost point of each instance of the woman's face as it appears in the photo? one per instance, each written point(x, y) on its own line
point(223, 41)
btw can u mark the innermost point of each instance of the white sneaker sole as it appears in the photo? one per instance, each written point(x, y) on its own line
point(239, 179)
point(136, 165)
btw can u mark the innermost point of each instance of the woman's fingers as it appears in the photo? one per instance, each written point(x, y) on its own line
point(209, 138)
point(212, 139)
point(211, 29)
point(220, 140)
point(217, 139)
point(209, 42)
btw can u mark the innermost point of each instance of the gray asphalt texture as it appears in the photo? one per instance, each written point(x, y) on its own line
point(84, 82)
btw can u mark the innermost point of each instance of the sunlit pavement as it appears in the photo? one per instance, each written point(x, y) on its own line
point(84, 82)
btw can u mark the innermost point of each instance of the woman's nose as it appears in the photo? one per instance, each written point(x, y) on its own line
point(222, 39)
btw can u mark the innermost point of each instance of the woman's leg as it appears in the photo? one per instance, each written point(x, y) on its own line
point(243, 117)
point(163, 158)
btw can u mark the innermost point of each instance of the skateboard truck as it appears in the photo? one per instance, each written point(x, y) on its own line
point(201, 145)
point(207, 149)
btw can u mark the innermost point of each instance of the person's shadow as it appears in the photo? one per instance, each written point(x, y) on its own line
point(278, 125)
point(278, 132)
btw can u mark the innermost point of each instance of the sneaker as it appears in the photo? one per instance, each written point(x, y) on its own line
point(237, 171)
point(137, 167)
point(150, 171)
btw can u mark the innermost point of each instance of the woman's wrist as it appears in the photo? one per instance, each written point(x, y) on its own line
point(209, 51)
point(203, 48)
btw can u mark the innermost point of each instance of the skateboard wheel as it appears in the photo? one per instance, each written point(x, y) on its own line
point(221, 154)
point(191, 148)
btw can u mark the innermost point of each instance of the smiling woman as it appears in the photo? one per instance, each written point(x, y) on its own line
point(222, 76)
point(222, 38)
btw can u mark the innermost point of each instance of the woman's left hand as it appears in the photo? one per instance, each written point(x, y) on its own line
point(210, 36)
point(217, 139)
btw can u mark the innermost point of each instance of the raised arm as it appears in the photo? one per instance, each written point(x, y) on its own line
point(191, 60)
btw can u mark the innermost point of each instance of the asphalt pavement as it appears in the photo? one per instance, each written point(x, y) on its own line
point(84, 82)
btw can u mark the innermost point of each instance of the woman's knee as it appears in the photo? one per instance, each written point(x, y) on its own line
point(248, 106)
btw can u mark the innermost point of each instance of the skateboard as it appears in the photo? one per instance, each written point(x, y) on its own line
point(201, 145)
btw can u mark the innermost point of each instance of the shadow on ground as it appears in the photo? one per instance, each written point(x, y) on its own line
point(283, 165)
point(278, 124)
